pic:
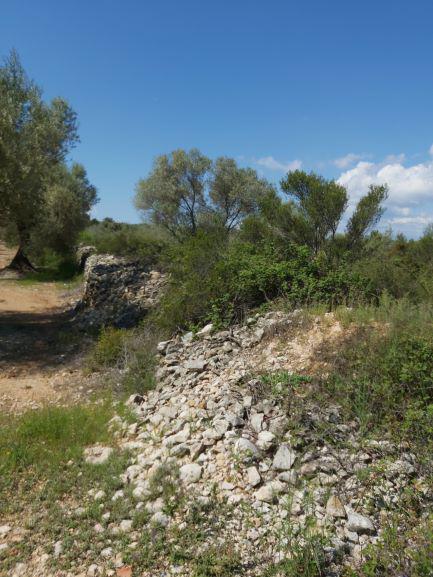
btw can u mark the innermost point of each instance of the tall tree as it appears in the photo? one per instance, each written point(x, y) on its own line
point(321, 203)
point(186, 191)
point(69, 197)
point(34, 138)
point(235, 192)
point(174, 193)
point(367, 214)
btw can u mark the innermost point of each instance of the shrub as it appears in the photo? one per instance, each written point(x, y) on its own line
point(139, 241)
point(217, 280)
point(108, 349)
point(131, 352)
point(194, 280)
point(383, 374)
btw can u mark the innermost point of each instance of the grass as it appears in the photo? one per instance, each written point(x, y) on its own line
point(47, 276)
point(39, 444)
point(403, 549)
point(381, 375)
point(43, 476)
point(132, 352)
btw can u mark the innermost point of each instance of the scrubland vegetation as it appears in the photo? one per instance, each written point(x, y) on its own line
point(232, 245)
point(295, 253)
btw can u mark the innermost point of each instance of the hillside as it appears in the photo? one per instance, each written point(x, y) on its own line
point(238, 461)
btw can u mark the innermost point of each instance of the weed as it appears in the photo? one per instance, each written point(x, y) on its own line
point(108, 349)
point(131, 352)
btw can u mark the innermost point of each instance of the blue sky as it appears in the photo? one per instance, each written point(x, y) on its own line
point(343, 88)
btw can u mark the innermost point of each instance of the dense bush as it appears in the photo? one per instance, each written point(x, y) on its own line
point(383, 374)
point(131, 240)
point(403, 268)
point(220, 280)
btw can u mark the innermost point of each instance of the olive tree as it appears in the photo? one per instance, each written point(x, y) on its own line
point(35, 136)
point(320, 202)
point(69, 197)
point(173, 195)
point(186, 191)
point(235, 192)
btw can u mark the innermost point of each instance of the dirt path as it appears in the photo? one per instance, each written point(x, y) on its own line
point(39, 353)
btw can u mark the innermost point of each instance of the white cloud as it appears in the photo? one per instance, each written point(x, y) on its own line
point(271, 163)
point(407, 184)
point(395, 158)
point(346, 161)
point(420, 220)
point(410, 202)
point(403, 210)
point(431, 150)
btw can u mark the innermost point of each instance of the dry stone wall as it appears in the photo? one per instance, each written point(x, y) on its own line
point(117, 292)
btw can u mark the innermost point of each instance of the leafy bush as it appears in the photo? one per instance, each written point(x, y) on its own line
point(131, 352)
point(130, 240)
point(194, 280)
point(214, 279)
point(108, 349)
point(383, 374)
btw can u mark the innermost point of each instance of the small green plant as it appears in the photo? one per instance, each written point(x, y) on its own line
point(108, 348)
point(402, 550)
point(301, 545)
point(220, 561)
point(132, 352)
point(283, 387)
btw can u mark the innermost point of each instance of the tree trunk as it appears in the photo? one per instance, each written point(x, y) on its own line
point(21, 263)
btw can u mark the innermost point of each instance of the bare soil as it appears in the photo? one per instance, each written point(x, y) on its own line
point(40, 353)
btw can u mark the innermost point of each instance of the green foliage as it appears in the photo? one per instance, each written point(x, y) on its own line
point(40, 442)
point(401, 267)
point(69, 197)
point(304, 546)
point(401, 550)
point(174, 192)
point(384, 372)
point(131, 352)
point(217, 562)
point(367, 214)
point(35, 138)
point(194, 282)
point(53, 267)
point(108, 348)
point(140, 241)
point(235, 192)
point(321, 203)
point(220, 280)
point(186, 192)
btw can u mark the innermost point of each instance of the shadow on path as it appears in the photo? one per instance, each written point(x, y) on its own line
point(36, 341)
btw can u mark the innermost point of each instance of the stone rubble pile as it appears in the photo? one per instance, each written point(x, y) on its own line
point(117, 292)
point(211, 419)
point(271, 473)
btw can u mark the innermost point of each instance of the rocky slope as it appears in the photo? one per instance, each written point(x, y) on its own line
point(227, 455)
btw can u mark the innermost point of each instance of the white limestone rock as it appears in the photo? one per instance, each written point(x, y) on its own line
point(190, 473)
point(284, 458)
